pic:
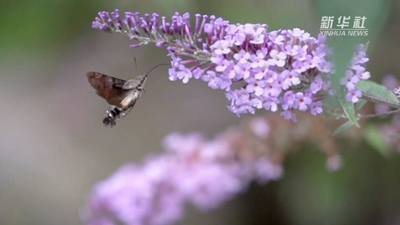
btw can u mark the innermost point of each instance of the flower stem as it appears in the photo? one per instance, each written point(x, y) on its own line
point(380, 114)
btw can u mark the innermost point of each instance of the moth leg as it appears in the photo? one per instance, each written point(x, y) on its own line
point(113, 113)
point(109, 121)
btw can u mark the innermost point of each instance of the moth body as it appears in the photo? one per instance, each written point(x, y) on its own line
point(120, 94)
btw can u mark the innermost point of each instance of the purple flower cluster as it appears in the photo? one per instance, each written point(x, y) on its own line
point(192, 170)
point(276, 68)
point(285, 69)
point(356, 72)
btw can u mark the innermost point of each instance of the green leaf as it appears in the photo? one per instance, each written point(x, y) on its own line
point(376, 89)
point(366, 45)
point(375, 139)
point(344, 127)
point(360, 104)
point(348, 109)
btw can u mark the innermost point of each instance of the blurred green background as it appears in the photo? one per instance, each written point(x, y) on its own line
point(54, 148)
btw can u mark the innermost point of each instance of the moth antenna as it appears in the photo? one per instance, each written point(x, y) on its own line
point(136, 65)
point(162, 64)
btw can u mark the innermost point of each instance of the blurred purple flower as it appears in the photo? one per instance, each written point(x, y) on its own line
point(267, 171)
point(334, 163)
point(260, 127)
point(192, 170)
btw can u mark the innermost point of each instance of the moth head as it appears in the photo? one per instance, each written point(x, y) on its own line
point(136, 82)
point(139, 80)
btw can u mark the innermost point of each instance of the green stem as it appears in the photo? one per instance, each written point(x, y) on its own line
point(379, 115)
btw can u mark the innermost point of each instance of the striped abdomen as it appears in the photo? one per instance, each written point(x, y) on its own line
point(113, 113)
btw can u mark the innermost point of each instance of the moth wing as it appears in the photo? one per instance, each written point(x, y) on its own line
point(99, 80)
point(107, 87)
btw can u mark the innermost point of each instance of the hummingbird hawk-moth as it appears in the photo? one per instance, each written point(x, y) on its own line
point(120, 94)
